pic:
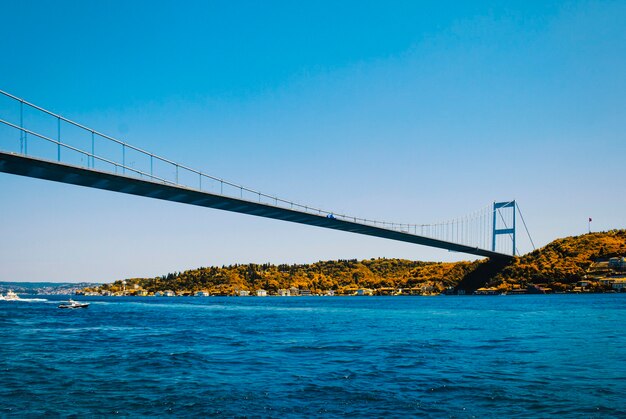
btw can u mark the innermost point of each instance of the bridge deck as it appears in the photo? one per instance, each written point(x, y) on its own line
point(43, 169)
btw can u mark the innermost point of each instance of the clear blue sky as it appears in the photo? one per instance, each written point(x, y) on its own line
point(405, 111)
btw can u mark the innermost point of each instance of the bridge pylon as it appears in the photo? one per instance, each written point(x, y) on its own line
point(500, 220)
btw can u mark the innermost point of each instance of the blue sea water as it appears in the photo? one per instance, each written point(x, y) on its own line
point(447, 356)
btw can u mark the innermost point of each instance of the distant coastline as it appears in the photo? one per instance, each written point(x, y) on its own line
point(46, 288)
point(594, 262)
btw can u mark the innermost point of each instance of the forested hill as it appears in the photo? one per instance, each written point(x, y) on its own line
point(560, 264)
point(564, 261)
point(342, 276)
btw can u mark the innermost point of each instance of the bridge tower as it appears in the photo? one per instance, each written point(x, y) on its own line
point(508, 227)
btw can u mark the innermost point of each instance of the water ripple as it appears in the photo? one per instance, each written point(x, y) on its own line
point(520, 357)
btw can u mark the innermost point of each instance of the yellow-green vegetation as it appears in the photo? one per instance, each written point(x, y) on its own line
point(563, 262)
point(557, 266)
point(342, 276)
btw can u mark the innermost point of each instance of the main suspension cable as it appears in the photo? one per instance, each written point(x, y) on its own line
point(524, 222)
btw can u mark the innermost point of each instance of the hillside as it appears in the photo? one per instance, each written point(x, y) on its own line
point(342, 276)
point(559, 265)
point(564, 261)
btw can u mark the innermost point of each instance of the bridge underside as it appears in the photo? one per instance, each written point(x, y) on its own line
point(42, 169)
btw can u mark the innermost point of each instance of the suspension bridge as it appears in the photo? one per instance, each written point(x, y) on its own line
point(38, 143)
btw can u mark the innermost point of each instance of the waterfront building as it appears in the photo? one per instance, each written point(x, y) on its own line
point(284, 293)
point(261, 293)
point(538, 289)
point(487, 291)
point(169, 293)
point(294, 291)
point(514, 291)
point(244, 293)
point(619, 284)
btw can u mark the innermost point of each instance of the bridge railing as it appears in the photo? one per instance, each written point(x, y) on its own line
point(44, 134)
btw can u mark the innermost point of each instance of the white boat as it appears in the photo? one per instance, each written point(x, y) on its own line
point(73, 304)
point(11, 296)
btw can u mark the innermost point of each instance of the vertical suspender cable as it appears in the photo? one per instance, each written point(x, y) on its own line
point(59, 138)
point(21, 126)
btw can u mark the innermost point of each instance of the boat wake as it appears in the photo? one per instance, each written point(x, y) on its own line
point(11, 296)
point(28, 300)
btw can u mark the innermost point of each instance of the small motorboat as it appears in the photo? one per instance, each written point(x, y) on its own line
point(11, 296)
point(73, 304)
